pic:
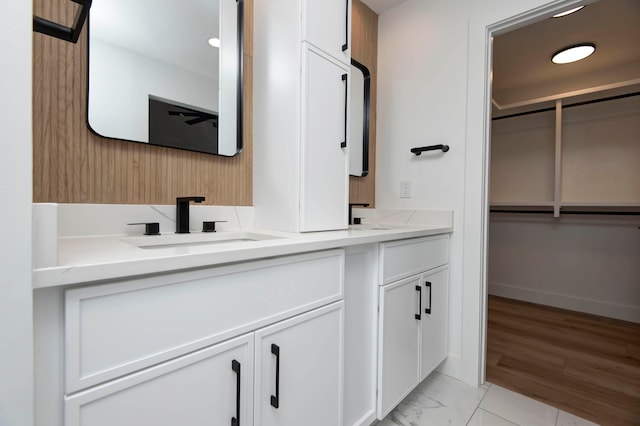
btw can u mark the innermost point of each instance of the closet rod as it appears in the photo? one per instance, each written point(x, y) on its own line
point(613, 213)
point(593, 101)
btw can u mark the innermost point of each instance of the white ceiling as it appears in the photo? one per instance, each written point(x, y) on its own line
point(522, 67)
point(161, 29)
point(379, 6)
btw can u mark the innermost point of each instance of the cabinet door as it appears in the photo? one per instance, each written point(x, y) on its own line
point(324, 171)
point(398, 350)
point(208, 387)
point(327, 25)
point(435, 312)
point(299, 370)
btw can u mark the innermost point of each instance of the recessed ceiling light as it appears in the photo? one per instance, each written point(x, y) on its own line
point(573, 53)
point(215, 42)
point(568, 12)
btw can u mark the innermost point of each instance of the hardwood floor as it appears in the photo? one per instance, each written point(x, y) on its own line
point(583, 364)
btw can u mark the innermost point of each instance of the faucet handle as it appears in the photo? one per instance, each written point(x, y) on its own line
point(210, 226)
point(351, 206)
point(150, 228)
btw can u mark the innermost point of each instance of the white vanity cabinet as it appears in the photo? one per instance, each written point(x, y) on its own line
point(301, 77)
point(298, 364)
point(182, 348)
point(413, 300)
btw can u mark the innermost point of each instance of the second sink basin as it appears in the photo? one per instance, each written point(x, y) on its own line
point(197, 239)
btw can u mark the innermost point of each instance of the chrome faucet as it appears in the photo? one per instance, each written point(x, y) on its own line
point(182, 213)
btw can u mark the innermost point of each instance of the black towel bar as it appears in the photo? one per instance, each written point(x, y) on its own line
point(418, 151)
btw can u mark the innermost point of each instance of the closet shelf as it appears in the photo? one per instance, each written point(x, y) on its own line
point(522, 204)
point(600, 204)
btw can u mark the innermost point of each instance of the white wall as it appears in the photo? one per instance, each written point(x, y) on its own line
point(16, 333)
point(432, 86)
point(583, 263)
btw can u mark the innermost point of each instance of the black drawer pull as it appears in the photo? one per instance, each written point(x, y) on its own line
point(275, 399)
point(419, 290)
point(235, 366)
point(428, 310)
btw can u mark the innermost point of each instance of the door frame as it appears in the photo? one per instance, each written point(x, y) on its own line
point(492, 30)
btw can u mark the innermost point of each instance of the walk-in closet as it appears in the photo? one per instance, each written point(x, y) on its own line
point(564, 226)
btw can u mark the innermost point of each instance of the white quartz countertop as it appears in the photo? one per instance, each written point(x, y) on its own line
point(97, 258)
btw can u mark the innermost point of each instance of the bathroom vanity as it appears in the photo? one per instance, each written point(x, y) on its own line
point(256, 327)
point(266, 322)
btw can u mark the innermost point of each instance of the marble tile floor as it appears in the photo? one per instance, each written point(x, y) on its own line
point(444, 401)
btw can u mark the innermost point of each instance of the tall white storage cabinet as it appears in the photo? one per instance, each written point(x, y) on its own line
point(301, 75)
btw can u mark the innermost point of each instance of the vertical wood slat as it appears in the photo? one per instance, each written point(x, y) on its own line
point(73, 165)
point(364, 49)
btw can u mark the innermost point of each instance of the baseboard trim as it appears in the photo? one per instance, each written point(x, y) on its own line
point(573, 303)
point(366, 420)
point(452, 366)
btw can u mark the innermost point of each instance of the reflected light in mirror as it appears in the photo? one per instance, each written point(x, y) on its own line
point(214, 42)
point(568, 12)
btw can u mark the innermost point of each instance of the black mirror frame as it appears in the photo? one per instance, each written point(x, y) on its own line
point(365, 116)
point(239, 86)
point(239, 83)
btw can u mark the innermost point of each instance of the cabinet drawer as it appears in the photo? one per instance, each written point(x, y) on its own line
point(401, 259)
point(115, 329)
point(195, 389)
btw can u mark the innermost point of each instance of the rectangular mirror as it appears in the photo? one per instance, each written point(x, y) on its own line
point(155, 78)
point(359, 90)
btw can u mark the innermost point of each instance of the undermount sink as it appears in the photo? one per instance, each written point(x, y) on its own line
point(196, 239)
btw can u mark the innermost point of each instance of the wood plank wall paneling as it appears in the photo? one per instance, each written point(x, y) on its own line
point(364, 49)
point(73, 165)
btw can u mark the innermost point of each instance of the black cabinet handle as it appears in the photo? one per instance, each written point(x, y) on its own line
point(346, 94)
point(345, 46)
point(419, 290)
point(275, 399)
point(235, 366)
point(427, 284)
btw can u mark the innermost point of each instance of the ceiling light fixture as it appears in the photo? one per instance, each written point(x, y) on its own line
point(573, 53)
point(215, 42)
point(568, 12)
